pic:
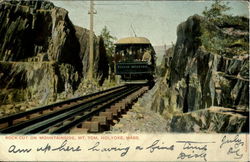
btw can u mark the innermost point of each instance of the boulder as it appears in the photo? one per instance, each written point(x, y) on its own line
point(213, 120)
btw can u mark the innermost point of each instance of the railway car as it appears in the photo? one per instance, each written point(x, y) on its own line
point(135, 59)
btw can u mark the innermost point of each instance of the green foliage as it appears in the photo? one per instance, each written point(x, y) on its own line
point(110, 49)
point(224, 34)
point(218, 40)
point(217, 9)
point(237, 22)
point(108, 42)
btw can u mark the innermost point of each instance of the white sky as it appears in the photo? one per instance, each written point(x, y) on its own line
point(156, 20)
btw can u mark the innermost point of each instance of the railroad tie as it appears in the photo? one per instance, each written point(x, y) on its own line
point(87, 112)
point(78, 116)
point(73, 104)
point(95, 108)
point(121, 105)
point(79, 101)
point(113, 111)
point(116, 110)
point(52, 129)
point(80, 125)
point(4, 125)
point(119, 111)
point(102, 122)
point(109, 115)
point(55, 108)
point(86, 124)
point(92, 126)
point(66, 106)
point(46, 111)
point(66, 122)
point(125, 101)
point(31, 116)
point(71, 118)
point(23, 119)
point(55, 127)
point(101, 119)
point(133, 95)
point(128, 100)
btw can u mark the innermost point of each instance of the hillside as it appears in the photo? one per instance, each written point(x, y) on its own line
point(205, 77)
point(43, 56)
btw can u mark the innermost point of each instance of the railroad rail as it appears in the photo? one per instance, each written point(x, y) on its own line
point(87, 114)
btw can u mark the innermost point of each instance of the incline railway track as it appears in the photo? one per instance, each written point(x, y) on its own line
point(87, 114)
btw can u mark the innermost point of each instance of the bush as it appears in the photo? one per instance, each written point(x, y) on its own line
point(217, 9)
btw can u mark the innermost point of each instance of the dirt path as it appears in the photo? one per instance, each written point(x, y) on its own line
point(140, 120)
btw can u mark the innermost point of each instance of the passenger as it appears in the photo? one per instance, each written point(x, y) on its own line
point(122, 56)
point(140, 54)
point(130, 55)
point(125, 54)
point(147, 56)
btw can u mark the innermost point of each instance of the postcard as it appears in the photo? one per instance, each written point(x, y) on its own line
point(124, 80)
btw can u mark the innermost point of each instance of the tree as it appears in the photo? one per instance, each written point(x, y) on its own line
point(217, 10)
point(108, 41)
point(110, 47)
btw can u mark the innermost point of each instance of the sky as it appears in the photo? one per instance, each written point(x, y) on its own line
point(155, 20)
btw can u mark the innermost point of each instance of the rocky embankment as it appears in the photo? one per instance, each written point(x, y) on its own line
point(43, 56)
point(205, 77)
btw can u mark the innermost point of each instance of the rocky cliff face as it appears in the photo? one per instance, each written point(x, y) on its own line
point(208, 66)
point(100, 57)
point(42, 54)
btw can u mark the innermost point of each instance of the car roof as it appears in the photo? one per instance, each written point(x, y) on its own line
point(133, 40)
